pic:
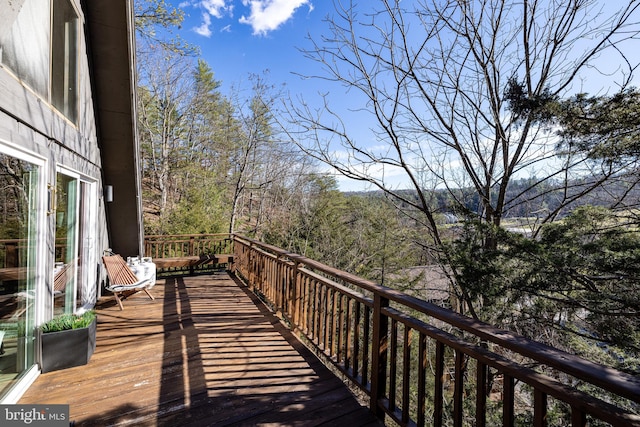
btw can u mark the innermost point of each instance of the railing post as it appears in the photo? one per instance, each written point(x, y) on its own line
point(379, 354)
point(191, 252)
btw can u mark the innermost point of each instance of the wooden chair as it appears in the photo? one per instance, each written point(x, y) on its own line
point(122, 279)
point(60, 279)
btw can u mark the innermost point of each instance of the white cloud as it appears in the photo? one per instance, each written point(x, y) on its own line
point(211, 8)
point(205, 28)
point(216, 8)
point(264, 15)
point(268, 15)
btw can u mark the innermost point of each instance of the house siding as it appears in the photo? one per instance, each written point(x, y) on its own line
point(31, 123)
point(100, 148)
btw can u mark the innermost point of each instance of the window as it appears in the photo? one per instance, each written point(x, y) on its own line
point(24, 49)
point(41, 49)
point(64, 59)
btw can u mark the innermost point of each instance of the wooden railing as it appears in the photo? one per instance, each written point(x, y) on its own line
point(420, 364)
point(187, 245)
point(167, 246)
point(13, 251)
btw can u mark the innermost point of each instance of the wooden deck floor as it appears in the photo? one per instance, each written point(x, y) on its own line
point(206, 352)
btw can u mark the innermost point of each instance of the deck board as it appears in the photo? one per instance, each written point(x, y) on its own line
point(206, 352)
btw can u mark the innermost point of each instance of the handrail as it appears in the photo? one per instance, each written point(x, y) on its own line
point(318, 302)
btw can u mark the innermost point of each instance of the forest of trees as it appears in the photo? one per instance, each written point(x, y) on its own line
point(553, 254)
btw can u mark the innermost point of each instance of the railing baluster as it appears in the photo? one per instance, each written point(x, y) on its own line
point(272, 288)
point(481, 394)
point(355, 352)
point(406, 375)
point(318, 314)
point(304, 299)
point(333, 322)
point(438, 394)
point(274, 285)
point(297, 295)
point(312, 308)
point(421, 418)
point(393, 364)
point(327, 321)
point(309, 308)
point(365, 345)
point(276, 282)
point(578, 417)
point(280, 270)
point(348, 336)
point(339, 326)
point(287, 287)
point(508, 397)
point(539, 409)
point(458, 388)
point(300, 281)
point(310, 304)
point(279, 277)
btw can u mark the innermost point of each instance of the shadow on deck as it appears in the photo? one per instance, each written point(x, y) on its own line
point(206, 352)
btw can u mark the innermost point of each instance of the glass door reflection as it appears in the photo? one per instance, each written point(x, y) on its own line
point(19, 181)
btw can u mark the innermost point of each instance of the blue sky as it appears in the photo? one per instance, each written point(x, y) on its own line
point(242, 37)
point(239, 37)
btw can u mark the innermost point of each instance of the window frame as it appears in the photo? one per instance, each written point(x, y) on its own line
point(71, 50)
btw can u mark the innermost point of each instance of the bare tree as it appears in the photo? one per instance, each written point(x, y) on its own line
point(433, 80)
point(265, 168)
point(163, 97)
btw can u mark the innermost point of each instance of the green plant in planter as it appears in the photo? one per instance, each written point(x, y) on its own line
point(67, 340)
point(67, 321)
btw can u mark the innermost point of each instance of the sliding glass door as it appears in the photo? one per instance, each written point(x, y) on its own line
point(19, 244)
point(66, 259)
point(87, 290)
point(74, 277)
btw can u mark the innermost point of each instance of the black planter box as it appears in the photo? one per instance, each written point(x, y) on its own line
point(66, 349)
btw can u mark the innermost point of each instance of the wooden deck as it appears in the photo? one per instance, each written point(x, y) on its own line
point(206, 352)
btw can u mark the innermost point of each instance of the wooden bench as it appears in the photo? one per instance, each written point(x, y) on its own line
point(193, 261)
point(122, 279)
point(223, 258)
